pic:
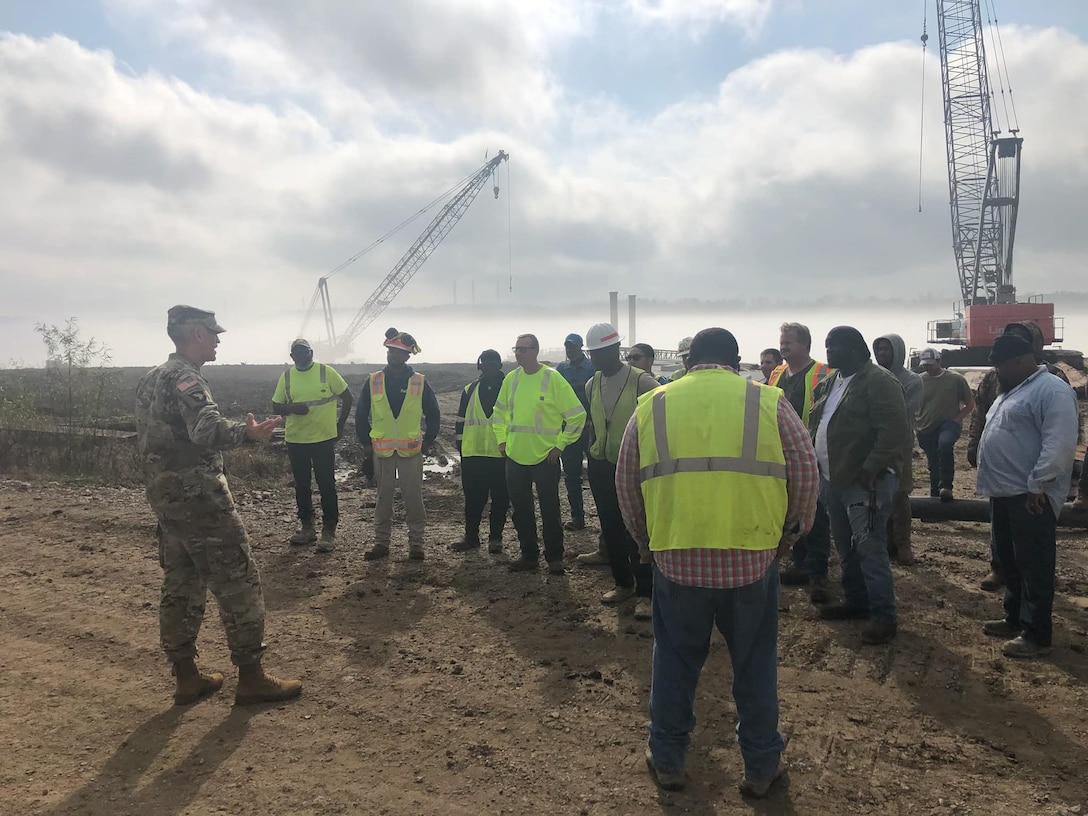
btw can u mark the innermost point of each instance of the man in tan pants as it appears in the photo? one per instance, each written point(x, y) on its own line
point(388, 423)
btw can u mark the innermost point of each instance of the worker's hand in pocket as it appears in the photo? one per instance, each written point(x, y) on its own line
point(502, 448)
point(368, 451)
point(553, 456)
point(1035, 503)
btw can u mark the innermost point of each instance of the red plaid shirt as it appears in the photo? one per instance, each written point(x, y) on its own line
point(717, 568)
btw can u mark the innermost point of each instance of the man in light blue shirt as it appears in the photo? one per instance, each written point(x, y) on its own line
point(1025, 465)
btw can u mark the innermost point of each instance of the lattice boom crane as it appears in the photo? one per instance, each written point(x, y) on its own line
point(407, 266)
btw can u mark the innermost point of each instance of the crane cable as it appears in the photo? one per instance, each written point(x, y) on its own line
point(1003, 78)
point(509, 231)
point(922, 117)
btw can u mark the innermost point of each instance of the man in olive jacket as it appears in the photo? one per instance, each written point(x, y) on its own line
point(860, 429)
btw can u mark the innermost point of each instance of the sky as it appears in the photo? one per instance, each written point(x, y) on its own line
point(228, 153)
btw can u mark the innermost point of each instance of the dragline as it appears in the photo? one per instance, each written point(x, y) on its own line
point(339, 346)
point(983, 187)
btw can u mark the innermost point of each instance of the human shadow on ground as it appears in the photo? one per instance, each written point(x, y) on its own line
point(965, 702)
point(173, 789)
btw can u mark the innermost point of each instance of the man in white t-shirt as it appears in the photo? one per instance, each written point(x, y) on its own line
point(860, 429)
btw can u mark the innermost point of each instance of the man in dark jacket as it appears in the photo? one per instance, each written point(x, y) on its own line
point(890, 353)
point(987, 393)
point(860, 429)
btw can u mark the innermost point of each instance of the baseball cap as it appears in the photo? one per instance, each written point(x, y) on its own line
point(1008, 346)
point(182, 315)
point(685, 345)
point(929, 355)
point(301, 342)
point(573, 340)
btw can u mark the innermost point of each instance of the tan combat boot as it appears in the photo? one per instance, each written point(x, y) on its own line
point(254, 686)
point(306, 533)
point(328, 538)
point(192, 683)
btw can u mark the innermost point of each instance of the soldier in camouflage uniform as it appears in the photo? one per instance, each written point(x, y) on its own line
point(202, 541)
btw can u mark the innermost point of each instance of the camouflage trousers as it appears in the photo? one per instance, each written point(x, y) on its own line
point(209, 551)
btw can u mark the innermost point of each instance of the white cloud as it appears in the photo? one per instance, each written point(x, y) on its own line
point(126, 193)
point(749, 15)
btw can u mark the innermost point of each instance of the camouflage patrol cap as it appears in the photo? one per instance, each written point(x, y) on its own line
point(190, 315)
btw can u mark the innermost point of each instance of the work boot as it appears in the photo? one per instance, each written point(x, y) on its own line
point(946, 495)
point(793, 576)
point(254, 686)
point(306, 533)
point(376, 552)
point(666, 780)
point(617, 594)
point(876, 632)
point(192, 683)
point(328, 538)
point(471, 541)
point(597, 558)
point(992, 582)
point(1080, 505)
point(819, 590)
point(644, 609)
point(1000, 628)
point(1024, 648)
point(524, 564)
point(494, 545)
point(904, 556)
point(760, 788)
point(556, 568)
point(575, 524)
point(415, 552)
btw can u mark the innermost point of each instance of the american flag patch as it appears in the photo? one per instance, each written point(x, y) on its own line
point(187, 383)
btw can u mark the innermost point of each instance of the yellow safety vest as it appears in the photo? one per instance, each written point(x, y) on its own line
point(711, 462)
point(478, 438)
point(531, 421)
point(818, 372)
point(402, 434)
point(608, 429)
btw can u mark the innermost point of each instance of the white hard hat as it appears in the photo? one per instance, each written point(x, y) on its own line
point(601, 335)
point(685, 345)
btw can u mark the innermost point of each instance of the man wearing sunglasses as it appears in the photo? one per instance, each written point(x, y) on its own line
point(641, 356)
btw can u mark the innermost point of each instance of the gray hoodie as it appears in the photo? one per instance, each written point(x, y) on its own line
point(911, 382)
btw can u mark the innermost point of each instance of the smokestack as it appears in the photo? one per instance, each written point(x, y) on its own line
point(614, 309)
point(631, 320)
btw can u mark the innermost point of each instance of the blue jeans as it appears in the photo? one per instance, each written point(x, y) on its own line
point(1027, 548)
point(861, 537)
point(684, 617)
point(811, 552)
point(939, 444)
point(571, 458)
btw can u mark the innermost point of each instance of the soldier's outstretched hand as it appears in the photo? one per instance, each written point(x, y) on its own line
point(260, 431)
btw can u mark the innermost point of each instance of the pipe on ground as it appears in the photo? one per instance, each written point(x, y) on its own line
point(928, 509)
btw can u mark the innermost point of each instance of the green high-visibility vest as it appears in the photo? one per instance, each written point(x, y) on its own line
point(608, 428)
point(477, 437)
point(713, 471)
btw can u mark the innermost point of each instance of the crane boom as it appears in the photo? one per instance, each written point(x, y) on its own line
point(983, 170)
point(410, 262)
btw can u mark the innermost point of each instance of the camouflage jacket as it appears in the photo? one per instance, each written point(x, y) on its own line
point(181, 436)
point(985, 395)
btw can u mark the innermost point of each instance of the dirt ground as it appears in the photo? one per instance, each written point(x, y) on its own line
point(452, 686)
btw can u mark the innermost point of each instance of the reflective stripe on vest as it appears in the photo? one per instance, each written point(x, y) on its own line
point(711, 463)
point(310, 403)
point(608, 429)
point(538, 417)
point(401, 434)
point(478, 438)
point(815, 374)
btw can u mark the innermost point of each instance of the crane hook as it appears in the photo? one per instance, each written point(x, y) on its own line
point(496, 189)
